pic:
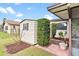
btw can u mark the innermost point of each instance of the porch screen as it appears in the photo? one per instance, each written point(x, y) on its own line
point(75, 37)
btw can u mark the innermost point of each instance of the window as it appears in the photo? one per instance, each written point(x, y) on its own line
point(6, 27)
point(14, 27)
point(61, 26)
point(26, 26)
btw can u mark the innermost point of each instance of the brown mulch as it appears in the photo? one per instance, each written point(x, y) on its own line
point(58, 38)
point(16, 47)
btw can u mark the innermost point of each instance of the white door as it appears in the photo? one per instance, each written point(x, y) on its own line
point(28, 33)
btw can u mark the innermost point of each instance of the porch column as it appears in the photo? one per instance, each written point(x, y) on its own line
point(70, 37)
point(70, 18)
point(50, 30)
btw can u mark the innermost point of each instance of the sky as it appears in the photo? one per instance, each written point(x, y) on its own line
point(20, 11)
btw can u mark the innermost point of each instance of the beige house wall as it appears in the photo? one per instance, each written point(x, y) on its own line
point(10, 28)
point(17, 29)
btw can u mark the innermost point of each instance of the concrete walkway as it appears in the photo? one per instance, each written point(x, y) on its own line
point(55, 49)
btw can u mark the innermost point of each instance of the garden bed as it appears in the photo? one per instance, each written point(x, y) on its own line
point(62, 39)
point(16, 47)
point(59, 38)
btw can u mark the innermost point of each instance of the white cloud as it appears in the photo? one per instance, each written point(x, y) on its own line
point(7, 10)
point(3, 10)
point(10, 10)
point(17, 3)
point(48, 17)
point(19, 14)
point(19, 20)
point(29, 8)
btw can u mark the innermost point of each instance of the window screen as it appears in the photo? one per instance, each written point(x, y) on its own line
point(14, 27)
point(26, 26)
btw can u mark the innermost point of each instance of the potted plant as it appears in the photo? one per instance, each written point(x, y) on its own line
point(63, 44)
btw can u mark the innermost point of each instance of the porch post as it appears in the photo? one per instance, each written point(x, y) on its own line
point(50, 30)
point(70, 18)
point(70, 37)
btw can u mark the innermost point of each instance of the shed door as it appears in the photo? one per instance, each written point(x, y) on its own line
point(28, 32)
point(25, 31)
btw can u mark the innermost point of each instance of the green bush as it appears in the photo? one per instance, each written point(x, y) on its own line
point(61, 34)
point(43, 31)
point(54, 26)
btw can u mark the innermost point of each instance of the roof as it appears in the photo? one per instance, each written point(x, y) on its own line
point(27, 20)
point(61, 10)
point(56, 5)
point(36, 20)
point(57, 20)
point(11, 22)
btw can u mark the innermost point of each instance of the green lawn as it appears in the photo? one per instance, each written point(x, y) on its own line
point(33, 51)
point(6, 39)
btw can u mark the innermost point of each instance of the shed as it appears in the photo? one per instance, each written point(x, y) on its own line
point(28, 31)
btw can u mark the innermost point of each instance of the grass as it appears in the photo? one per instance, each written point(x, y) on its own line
point(33, 51)
point(6, 39)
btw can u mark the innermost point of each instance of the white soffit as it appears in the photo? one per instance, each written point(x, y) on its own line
point(63, 14)
point(61, 10)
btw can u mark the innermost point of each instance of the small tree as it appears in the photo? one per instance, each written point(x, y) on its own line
point(54, 26)
point(3, 23)
point(43, 31)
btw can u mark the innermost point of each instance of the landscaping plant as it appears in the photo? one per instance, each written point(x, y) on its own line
point(61, 34)
point(54, 26)
point(43, 31)
point(63, 45)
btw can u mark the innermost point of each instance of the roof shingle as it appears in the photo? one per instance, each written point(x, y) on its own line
point(11, 22)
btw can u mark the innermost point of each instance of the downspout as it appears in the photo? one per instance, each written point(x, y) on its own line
point(70, 18)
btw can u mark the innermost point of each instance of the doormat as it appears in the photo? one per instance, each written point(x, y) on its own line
point(16, 47)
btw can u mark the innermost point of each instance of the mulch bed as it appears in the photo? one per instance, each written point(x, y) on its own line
point(58, 38)
point(16, 47)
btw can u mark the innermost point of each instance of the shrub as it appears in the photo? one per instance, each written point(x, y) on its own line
point(43, 31)
point(54, 26)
